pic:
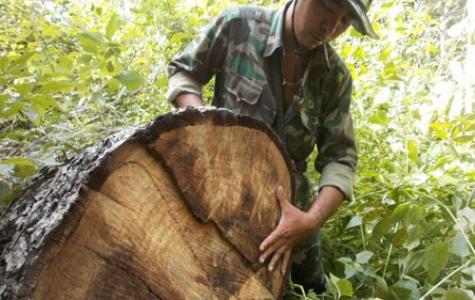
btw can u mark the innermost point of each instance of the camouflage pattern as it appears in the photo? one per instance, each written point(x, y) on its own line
point(239, 48)
point(307, 264)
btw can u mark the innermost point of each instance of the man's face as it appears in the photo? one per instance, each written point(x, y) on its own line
point(320, 21)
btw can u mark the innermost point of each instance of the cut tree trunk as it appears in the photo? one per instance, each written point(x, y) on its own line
point(172, 210)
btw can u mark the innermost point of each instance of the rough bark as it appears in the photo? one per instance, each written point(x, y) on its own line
point(172, 210)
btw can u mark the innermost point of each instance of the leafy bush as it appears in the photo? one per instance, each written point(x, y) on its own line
point(409, 233)
point(73, 73)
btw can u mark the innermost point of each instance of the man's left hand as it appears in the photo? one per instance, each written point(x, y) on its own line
point(294, 226)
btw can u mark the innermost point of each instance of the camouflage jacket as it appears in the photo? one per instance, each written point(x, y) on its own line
point(238, 48)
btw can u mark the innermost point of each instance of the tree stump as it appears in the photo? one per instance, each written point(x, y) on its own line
point(175, 209)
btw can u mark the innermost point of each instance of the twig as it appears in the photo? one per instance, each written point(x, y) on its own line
point(389, 252)
point(465, 265)
point(458, 225)
point(470, 198)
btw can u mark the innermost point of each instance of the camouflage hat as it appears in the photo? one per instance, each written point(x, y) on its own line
point(361, 23)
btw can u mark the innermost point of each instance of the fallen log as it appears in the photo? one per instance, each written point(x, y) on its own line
point(175, 209)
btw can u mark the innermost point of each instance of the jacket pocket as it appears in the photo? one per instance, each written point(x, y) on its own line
point(249, 97)
point(242, 91)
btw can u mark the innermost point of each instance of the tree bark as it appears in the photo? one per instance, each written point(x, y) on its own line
point(172, 210)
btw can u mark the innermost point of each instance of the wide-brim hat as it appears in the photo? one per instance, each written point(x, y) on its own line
point(362, 24)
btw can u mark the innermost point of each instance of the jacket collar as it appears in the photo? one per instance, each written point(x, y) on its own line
point(275, 39)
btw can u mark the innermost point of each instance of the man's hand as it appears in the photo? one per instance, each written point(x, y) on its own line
point(294, 226)
point(193, 100)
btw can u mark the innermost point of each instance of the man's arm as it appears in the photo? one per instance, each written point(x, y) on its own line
point(189, 71)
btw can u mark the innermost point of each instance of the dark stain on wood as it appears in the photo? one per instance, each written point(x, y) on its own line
point(41, 225)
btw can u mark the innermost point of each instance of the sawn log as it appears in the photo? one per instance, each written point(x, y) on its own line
point(175, 209)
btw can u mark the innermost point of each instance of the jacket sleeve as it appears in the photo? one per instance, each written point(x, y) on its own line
point(197, 64)
point(337, 153)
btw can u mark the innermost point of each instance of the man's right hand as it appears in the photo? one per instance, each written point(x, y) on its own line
point(185, 100)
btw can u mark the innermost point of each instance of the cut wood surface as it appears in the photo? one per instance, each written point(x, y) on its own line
point(172, 210)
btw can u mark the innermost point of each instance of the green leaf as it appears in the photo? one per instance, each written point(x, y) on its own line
point(3, 99)
point(441, 129)
point(33, 115)
point(162, 81)
point(385, 53)
point(332, 288)
point(57, 86)
point(390, 70)
point(178, 37)
point(43, 100)
point(65, 65)
point(113, 86)
point(412, 241)
point(460, 247)
point(414, 215)
point(412, 150)
point(445, 180)
point(92, 42)
point(111, 27)
point(373, 215)
point(413, 222)
point(140, 60)
point(4, 61)
point(132, 80)
point(349, 266)
point(85, 58)
point(400, 211)
point(433, 48)
point(23, 167)
point(194, 20)
point(12, 109)
point(22, 60)
point(435, 258)
point(458, 294)
point(354, 222)
point(382, 227)
point(345, 287)
point(24, 88)
point(7, 193)
point(359, 53)
point(364, 257)
point(400, 237)
point(381, 288)
point(379, 117)
point(405, 290)
point(463, 139)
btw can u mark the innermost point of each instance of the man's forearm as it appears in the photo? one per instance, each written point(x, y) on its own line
point(327, 202)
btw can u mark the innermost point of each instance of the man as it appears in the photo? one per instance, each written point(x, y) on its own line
point(277, 66)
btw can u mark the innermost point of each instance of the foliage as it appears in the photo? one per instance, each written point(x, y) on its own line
point(74, 72)
point(409, 232)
